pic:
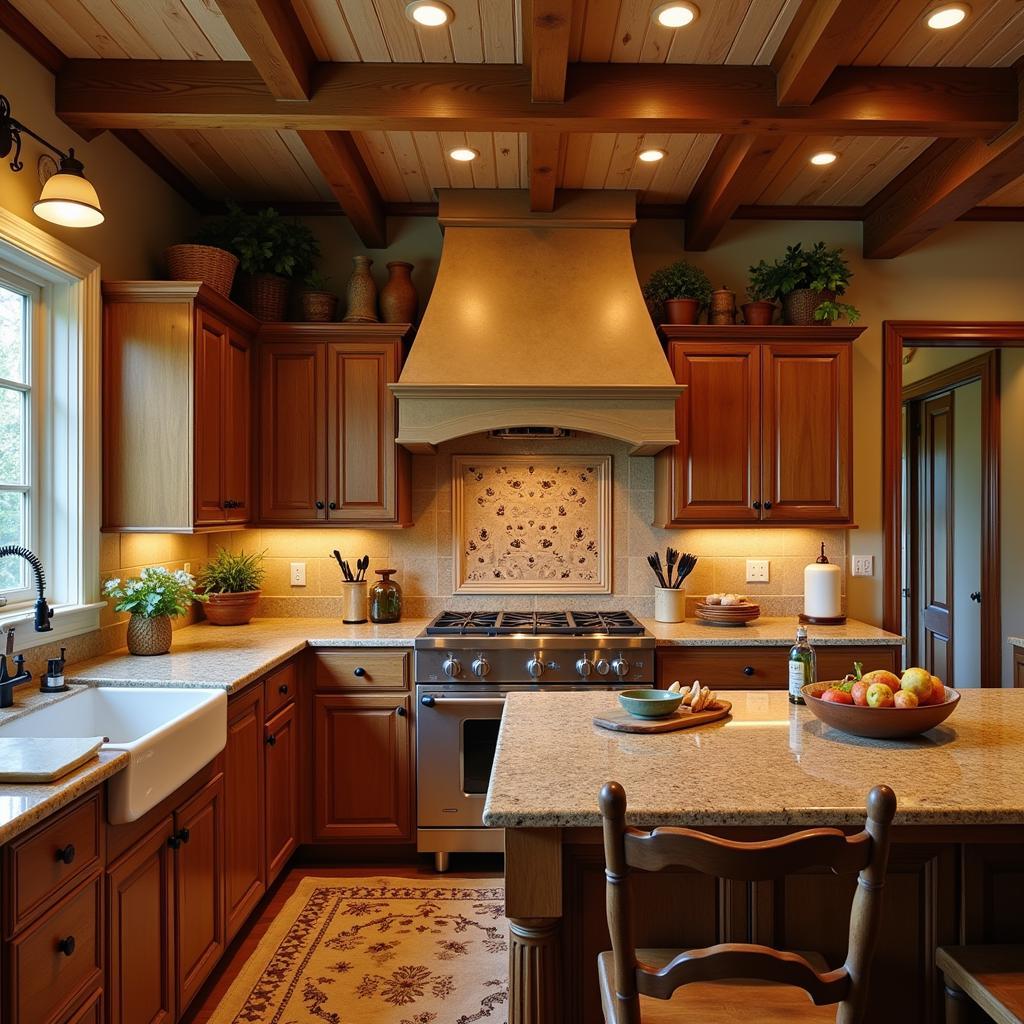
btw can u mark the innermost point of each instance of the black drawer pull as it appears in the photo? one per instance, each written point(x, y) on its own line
point(332, 505)
point(757, 504)
point(271, 740)
point(66, 854)
point(749, 670)
point(768, 504)
point(283, 689)
point(401, 712)
point(320, 505)
point(360, 672)
point(66, 946)
point(184, 835)
point(173, 841)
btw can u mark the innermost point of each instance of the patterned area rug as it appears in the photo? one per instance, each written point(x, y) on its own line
point(378, 951)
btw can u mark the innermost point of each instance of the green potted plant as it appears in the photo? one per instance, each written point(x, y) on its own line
point(153, 597)
point(808, 281)
point(317, 299)
point(230, 585)
point(759, 311)
point(677, 293)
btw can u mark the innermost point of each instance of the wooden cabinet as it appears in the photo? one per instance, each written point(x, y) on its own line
point(328, 424)
point(176, 458)
point(764, 427)
point(282, 782)
point(1018, 666)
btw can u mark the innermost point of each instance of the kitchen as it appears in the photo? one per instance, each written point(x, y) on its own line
point(314, 769)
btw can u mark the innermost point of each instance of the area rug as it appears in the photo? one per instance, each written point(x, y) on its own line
point(378, 951)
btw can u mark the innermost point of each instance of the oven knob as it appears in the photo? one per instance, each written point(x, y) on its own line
point(602, 667)
point(481, 667)
point(535, 667)
point(620, 667)
point(584, 666)
point(452, 667)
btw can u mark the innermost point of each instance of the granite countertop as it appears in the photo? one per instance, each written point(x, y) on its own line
point(767, 631)
point(552, 761)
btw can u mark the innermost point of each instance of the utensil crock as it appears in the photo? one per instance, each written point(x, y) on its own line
point(353, 602)
point(669, 604)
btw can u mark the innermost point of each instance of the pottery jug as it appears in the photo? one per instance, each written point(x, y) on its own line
point(362, 293)
point(398, 297)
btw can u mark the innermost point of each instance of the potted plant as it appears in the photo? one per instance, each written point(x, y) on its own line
point(317, 300)
point(808, 281)
point(677, 293)
point(759, 311)
point(153, 598)
point(230, 585)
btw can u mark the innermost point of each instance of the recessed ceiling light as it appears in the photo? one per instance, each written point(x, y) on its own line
point(947, 16)
point(463, 153)
point(821, 159)
point(651, 156)
point(429, 13)
point(676, 14)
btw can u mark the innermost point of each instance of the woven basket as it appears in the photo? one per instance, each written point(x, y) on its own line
point(318, 307)
point(214, 267)
point(798, 307)
point(268, 297)
point(149, 636)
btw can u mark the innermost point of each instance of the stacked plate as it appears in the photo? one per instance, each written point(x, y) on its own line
point(728, 614)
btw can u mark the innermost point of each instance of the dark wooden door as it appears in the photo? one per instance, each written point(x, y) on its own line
point(199, 889)
point(282, 766)
point(807, 469)
point(237, 412)
point(716, 471)
point(293, 460)
point(245, 873)
point(361, 427)
point(208, 440)
point(362, 767)
point(140, 916)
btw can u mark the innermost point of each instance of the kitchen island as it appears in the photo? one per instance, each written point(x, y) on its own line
point(956, 872)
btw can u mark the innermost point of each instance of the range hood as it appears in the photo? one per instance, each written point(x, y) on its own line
point(536, 320)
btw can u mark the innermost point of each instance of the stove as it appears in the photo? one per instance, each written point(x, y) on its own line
point(464, 665)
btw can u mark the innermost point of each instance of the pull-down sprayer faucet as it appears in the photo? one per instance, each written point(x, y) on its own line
point(43, 614)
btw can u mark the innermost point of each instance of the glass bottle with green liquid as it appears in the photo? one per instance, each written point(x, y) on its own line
point(803, 668)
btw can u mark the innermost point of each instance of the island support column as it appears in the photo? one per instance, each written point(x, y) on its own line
point(533, 904)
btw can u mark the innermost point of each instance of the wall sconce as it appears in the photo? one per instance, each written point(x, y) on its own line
point(68, 197)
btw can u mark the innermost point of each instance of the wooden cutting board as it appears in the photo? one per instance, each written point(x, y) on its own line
point(622, 721)
point(28, 759)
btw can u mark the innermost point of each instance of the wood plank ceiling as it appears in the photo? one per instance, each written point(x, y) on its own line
point(800, 42)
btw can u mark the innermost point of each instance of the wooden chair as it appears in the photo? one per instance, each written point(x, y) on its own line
point(991, 977)
point(739, 982)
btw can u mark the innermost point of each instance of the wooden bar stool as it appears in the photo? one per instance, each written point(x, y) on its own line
point(736, 983)
point(991, 977)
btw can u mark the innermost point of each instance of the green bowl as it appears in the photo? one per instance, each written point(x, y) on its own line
point(650, 703)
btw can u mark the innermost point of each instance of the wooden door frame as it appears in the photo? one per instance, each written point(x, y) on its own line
point(944, 334)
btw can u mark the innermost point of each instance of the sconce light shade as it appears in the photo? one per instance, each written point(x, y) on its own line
point(68, 198)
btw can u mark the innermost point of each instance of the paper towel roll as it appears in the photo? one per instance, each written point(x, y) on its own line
point(823, 585)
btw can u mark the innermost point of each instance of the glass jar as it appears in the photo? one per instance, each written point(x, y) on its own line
point(385, 598)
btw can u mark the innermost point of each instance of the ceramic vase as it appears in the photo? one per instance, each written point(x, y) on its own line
point(398, 299)
point(723, 306)
point(149, 636)
point(361, 294)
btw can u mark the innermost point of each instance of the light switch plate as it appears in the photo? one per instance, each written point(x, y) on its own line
point(188, 568)
point(863, 565)
point(298, 574)
point(757, 570)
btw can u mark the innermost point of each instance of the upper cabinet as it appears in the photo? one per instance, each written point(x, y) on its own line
point(764, 427)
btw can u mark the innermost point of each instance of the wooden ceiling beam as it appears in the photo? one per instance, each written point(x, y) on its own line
point(548, 25)
point(545, 152)
point(340, 162)
point(29, 38)
point(934, 102)
point(270, 32)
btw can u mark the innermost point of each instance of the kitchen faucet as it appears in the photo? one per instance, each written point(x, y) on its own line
point(43, 614)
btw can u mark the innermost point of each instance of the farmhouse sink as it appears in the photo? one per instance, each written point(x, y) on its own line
point(168, 735)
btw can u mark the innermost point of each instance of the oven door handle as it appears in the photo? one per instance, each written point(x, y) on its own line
point(428, 701)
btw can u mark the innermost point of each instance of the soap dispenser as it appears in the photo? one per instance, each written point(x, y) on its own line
point(53, 680)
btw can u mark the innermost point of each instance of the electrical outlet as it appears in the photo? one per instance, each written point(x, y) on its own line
point(757, 570)
point(863, 565)
point(188, 567)
point(298, 574)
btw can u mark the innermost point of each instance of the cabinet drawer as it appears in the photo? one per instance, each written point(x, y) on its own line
point(364, 669)
point(52, 858)
point(281, 687)
point(55, 962)
point(91, 1012)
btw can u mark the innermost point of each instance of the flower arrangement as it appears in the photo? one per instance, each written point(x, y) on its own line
point(155, 592)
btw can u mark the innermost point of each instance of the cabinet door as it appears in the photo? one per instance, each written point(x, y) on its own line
point(208, 439)
point(140, 942)
point(716, 467)
point(807, 454)
point(362, 477)
point(244, 863)
point(293, 461)
point(282, 766)
point(237, 420)
point(199, 889)
point(362, 769)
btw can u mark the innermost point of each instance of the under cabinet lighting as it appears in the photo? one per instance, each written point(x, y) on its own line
point(463, 154)
point(429, 13)
point(677, 14)
point(947, 16)
point(823, 159)
point(651, 156)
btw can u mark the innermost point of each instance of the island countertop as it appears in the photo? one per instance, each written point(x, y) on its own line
point(770, 764)
point(769, 631)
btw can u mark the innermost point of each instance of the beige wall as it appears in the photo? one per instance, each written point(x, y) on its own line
point(1012, 501)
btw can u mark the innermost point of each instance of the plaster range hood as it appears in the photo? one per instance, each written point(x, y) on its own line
point(536, 320)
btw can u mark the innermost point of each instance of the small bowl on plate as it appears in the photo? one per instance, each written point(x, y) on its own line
point(878, 723)
point(650, 703)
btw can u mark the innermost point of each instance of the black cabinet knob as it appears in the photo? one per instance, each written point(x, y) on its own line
point(66, 854)
point(184, 835)
point(332, 506)
point(359, 672)
point(976, 596)
point(66, 946)
point(748, 670)
point(271, 740)
point(428, 701)
point(757, 504)
point(174, 841)
point(320, 505)
point(767, 504)
point(283, 689)
point(401, 712)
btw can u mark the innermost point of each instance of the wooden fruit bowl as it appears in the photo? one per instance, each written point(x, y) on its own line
point(728, 614)
point(878, 723)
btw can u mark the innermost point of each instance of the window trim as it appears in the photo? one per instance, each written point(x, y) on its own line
point(73, 313)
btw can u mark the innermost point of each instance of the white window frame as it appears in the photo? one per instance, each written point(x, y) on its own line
point(67, 483)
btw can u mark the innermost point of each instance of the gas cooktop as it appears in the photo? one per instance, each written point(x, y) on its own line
point(568, 623)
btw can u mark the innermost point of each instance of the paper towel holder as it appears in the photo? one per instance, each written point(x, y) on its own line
point(822, 620)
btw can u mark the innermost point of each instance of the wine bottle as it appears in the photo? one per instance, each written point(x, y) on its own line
point(802, 666)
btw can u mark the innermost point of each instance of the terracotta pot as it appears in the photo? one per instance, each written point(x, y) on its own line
point(361, 294)
point(398, 300)
point(232, 609)
point(681, 311)
point(149, 636)
point(268, 297)
point(318, 307)
point(758, 314)
point(798, 307)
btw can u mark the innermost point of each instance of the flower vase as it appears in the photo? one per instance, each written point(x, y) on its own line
point(398, 299)
point(361, 294)
point(149, 636)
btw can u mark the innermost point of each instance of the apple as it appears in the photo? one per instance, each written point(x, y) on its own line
point(905, 699)
point(859, 693)
point(938, 692)
point(881, 675)
point(880, 695)
point(917, 681)
point(834, 696)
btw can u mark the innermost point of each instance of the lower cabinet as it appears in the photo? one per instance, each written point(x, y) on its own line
point(282, 788)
